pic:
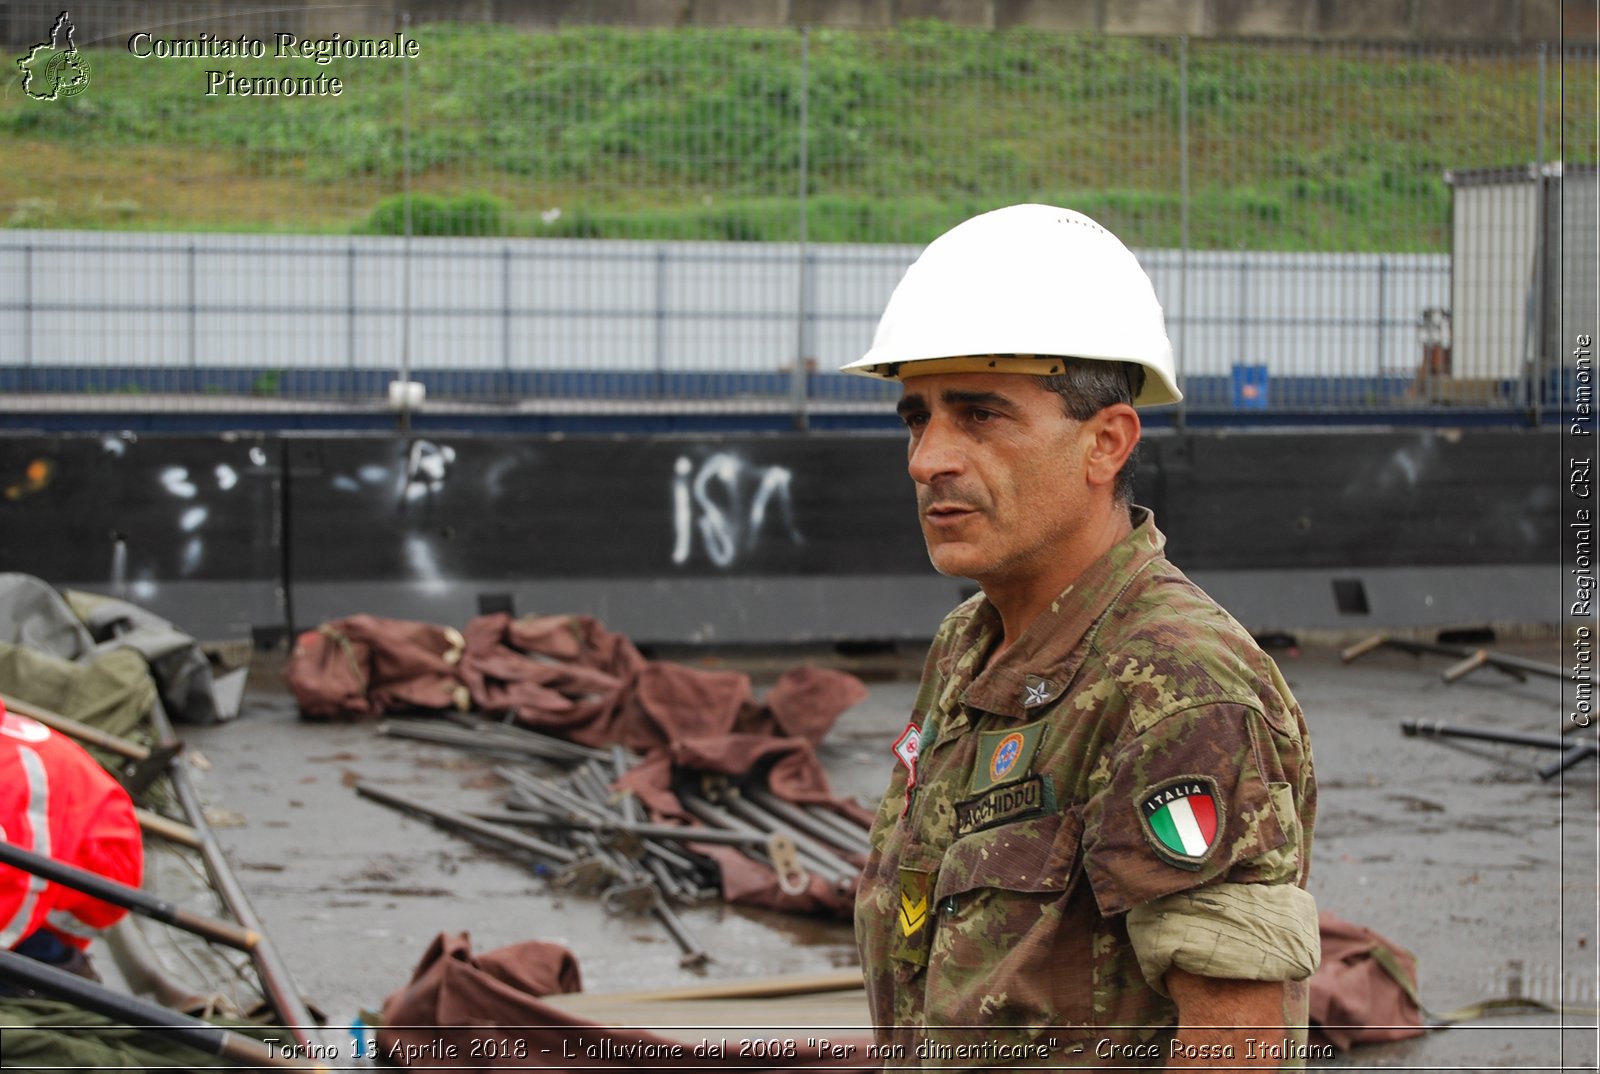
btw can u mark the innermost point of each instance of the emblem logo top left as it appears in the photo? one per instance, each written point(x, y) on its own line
point(54, 69)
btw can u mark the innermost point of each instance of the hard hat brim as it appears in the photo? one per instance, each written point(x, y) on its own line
point(1158, 391)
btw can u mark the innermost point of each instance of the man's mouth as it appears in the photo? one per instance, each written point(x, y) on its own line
point(944, 514)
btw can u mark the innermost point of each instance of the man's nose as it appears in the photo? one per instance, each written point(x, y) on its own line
point(935, 453)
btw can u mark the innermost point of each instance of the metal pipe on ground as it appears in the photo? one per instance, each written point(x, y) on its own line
point(588, 783)
point(669, 885)
point(848, 828)
point(129, 898)
point(844, 872)
point(559, 747)
point(144, 763)
point(142, 969)
point(1570, 754)
point(1440, 729)
point(531, 808)
point(464, 739)
point(1469, 659)
point(694, 954)
point(87, 734)
point(632, 810)
point(592, 788)
point(785, 858)
point(545, 791)
point(277, 984)
point(805, 823)
point(647, 835)
point(720, 836)
point(173, 831)
point(449, 818)
point(673, 860)
point(202, 1036)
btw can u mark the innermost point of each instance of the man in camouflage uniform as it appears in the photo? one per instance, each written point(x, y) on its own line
point(1095, 846)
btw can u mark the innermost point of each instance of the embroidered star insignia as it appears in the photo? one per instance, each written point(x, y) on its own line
point(1037, 694)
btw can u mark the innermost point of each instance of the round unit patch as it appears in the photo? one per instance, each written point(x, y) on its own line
point(1004, 758)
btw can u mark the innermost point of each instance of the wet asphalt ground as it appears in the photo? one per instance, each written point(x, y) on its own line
point(1455, 850)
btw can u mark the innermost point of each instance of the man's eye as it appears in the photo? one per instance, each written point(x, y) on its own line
point(982, 416)
point(915, 421)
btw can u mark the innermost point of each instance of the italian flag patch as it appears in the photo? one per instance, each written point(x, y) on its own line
point(1182, 818)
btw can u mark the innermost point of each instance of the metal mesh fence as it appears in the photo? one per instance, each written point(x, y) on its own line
point(604, 219)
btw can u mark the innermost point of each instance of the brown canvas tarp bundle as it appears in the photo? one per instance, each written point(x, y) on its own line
point(565, 675)
point(569, 676)
point(463, 1010)
point(1365, 990)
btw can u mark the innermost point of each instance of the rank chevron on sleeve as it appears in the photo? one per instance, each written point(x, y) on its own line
point(913, 912)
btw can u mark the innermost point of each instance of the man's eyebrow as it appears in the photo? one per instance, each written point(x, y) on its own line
point(956, 397)
point(910, 404)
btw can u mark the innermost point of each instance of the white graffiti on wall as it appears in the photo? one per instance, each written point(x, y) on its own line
point(418, 482)
point(725, 501)
point(138, 581)
point(427, 466)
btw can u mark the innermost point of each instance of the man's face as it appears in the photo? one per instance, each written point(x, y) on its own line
point(999, 467)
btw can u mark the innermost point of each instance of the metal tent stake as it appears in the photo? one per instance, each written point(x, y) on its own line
point(1571, 753)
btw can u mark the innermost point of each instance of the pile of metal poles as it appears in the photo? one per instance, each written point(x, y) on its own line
point(599, 840)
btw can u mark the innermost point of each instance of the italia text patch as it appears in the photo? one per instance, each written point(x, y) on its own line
point(1182, 818)
point(1002, 805)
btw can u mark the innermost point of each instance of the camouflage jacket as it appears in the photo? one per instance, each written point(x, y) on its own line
point(1133, 743)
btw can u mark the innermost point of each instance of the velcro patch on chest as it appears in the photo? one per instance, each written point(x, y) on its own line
point(906, 748)
point(1182, 819)
point(1001, 805)
point(910, 940)
point(914, 887)
point(1005, 755)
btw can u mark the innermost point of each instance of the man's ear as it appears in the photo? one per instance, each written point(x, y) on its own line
point(1114, 434)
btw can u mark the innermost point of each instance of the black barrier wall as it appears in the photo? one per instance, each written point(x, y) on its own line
point(752, 538)
point(191, 528)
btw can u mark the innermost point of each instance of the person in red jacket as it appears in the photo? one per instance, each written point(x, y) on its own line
point(55, 800)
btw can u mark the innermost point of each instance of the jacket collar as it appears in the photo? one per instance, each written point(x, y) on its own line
point(1037, 668)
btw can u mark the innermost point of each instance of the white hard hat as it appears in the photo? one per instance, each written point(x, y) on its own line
point(1007, 291)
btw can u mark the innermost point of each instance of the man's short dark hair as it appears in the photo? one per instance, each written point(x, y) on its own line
point(1088, 387)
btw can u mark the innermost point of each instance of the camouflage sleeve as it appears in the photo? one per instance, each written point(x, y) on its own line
point(1239, 932)
point(1196, 796)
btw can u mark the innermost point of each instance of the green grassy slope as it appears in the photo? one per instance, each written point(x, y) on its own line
point(697, 134)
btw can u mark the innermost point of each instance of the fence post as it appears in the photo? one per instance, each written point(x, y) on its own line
point(1383, 319)
point(27, 316)
point(194, 316)
point(1183, 217)
point(349, 392)
point(797, 379)
point(1533, 381)
point(661, 320)
point(405, 268)
point(505, 325)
